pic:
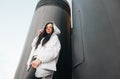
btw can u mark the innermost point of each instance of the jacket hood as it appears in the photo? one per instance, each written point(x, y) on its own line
point(56, 29)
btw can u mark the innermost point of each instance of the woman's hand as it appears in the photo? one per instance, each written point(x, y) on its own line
point(36, 63)
point(40, 31)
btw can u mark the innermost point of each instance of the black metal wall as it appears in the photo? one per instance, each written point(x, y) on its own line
point(96, 39)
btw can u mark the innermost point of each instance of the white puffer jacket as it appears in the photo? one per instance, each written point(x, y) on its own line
point(48, 54)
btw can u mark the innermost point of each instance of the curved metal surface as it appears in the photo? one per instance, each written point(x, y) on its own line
point(96, 39)
point(61, 17)
point(60, 3)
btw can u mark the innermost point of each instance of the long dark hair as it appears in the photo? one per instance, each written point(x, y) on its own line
point(44, 34)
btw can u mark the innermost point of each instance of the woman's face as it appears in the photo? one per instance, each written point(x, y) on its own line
point(49, 29)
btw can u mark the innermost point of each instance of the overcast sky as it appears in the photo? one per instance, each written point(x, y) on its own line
point(15, 20)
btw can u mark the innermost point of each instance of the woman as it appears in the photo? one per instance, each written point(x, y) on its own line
point(45, 51)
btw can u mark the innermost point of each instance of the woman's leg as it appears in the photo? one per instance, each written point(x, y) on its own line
point(30, 74)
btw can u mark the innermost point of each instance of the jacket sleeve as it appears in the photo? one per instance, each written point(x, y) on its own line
point(34, 41)
point(50, 51)
point(32, 50)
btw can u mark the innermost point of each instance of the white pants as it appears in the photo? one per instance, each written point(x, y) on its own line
point(48, 77)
